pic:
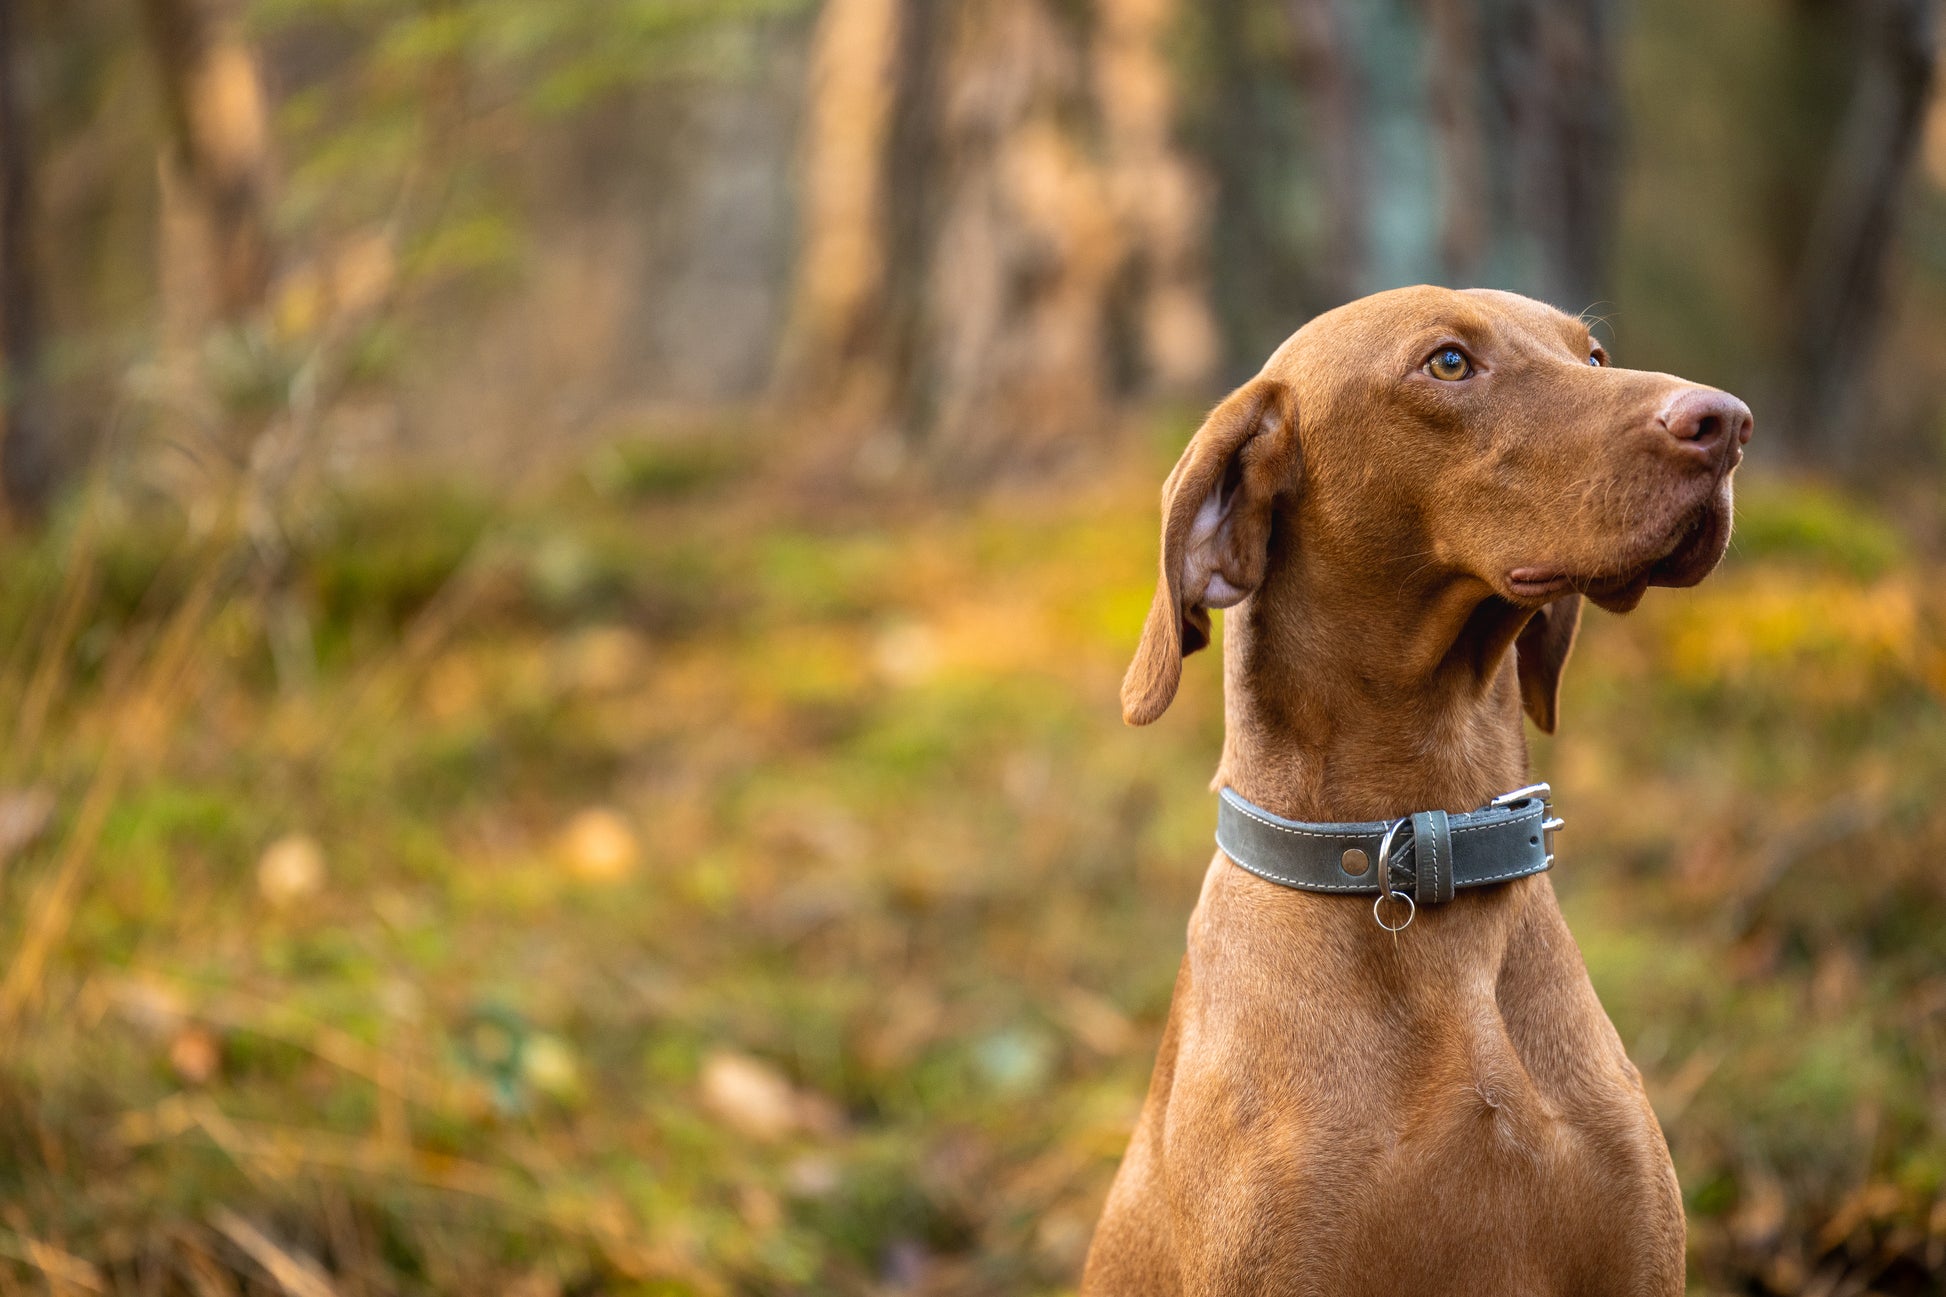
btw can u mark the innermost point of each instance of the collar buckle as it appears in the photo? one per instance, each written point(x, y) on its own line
point(1550, 825)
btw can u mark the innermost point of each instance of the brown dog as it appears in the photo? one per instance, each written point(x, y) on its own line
point(1405, 508)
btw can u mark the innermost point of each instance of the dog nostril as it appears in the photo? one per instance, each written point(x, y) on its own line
point(1706, 420)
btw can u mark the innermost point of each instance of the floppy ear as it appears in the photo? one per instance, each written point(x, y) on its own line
point(1541, 653)
point(1216, 513)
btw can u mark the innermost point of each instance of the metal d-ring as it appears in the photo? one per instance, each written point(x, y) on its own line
point(1412, 910)
point(1385, 892)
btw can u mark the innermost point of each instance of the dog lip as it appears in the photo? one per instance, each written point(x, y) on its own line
point(1534, 582)
point(1543, 585)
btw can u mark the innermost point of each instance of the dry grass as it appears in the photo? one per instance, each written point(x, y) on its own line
point(597, 951)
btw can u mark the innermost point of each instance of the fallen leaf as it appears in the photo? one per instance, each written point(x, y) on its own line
point(598, 846)
point(906, 653)
point(153, 1008)
point(24, 815)
point(815, 1175)
point(603, 659)
point(291, 869)
point(547, 1063)
point(195, 1054)
point(749, 1096)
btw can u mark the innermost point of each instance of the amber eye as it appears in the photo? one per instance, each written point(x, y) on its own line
point(1594, 358)
point(1449, 364)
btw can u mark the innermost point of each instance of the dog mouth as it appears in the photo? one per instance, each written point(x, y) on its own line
point(1698, 548)
point(1685, 555)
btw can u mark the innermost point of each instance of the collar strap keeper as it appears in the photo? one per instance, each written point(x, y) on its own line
point(1431, 854)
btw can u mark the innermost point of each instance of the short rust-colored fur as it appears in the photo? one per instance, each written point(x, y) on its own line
point(1334, 1111)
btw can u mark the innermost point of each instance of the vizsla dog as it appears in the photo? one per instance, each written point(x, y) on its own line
point(1403, 512)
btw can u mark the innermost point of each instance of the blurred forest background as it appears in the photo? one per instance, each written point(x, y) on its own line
point(514, 509)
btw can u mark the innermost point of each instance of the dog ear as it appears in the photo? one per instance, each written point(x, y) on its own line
point(1541, 653)
point(1216, 513)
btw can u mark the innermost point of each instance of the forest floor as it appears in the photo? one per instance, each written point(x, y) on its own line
point(523, 895)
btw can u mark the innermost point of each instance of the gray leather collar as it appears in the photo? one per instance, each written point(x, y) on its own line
point(1432, 853)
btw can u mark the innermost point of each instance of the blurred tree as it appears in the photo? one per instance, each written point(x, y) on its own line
point(1334, 90)
point(26, 449)
point(216, 176)
point(1000, 236)
point(1523, 102)
point(1468, 142)
point(1838, 294)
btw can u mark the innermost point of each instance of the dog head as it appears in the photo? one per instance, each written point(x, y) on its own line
point(1480, 440)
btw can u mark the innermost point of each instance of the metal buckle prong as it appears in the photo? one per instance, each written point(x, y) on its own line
point(1541, 791)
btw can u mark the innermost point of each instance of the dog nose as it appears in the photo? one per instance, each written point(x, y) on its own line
point(1713, 422)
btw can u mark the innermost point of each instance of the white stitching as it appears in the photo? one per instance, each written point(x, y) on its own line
point(1236, 802)
point(1237, 805)
point(1519, 871)
point(1522, 872)
point(1500, 824)
point(1302, 886)
point(1432, 849)
point(1432, 854)
point(1371, 889)
point(1306, 885)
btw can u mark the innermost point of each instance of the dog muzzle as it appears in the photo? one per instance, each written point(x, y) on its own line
point(1418, 859)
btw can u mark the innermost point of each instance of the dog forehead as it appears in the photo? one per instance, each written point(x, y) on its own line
point(1371, 330)
point(1525, 318)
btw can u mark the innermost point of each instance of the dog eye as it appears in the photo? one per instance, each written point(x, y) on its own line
point(1450, 365)
point(1598, 358)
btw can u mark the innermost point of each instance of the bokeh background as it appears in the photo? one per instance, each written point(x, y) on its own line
point(567, 567)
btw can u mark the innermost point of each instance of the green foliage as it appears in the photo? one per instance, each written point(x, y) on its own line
point(1819, 525)
point(655, 468)
point(383, 555)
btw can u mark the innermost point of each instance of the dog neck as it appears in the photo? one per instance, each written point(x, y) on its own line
point(1414, 705)
point(1417, 709)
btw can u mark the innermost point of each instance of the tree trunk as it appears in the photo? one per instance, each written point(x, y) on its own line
point(1158, 198)
point(1000, 239)
point(1013, 337)
point(1521, 102)
point(1549, 117)
point(1332, 81)
point(27, 452)
point(217, 170)
point(1464, 142)
point(1838, 299)
point(836, 322)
